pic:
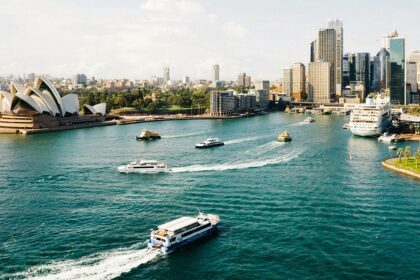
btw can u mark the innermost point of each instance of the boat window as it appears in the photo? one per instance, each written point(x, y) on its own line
point(195, 230)
point(173, 239)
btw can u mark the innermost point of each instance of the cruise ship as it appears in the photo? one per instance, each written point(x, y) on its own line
point(178, 233)
point(371, 118)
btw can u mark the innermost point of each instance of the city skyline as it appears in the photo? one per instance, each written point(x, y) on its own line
point(137, 40)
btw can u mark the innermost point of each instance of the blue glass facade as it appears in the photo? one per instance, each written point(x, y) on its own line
point(397, 79)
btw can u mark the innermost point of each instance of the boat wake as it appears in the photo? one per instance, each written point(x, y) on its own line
point(182, 135)
point(299, 123)
point(234, 165)
point(106, 265)
point(241, 140)
point(265, 148)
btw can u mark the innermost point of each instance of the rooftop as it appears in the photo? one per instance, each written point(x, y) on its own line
point(178, 223)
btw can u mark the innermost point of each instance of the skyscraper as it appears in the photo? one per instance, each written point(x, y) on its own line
point(386, 40)
point(415, 57)
point(298, 81)
point(362, 71)
point(397, 77)
point(327, 52)
point(337, 25)
point(216, 73)
point(166, 76)
point(319, 82)
point(287, 81)
point(381, 70)
point(314, 50)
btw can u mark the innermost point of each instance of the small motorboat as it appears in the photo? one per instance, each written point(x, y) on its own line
point(284, 137)
point(144, 166)
point(346, 126)
point(308, 120)
point(211, 142)
point(148, 135)
point(387, 138)
point(392, 147)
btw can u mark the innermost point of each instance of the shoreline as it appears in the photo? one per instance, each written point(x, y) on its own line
point(124, 120)
point(388, 164)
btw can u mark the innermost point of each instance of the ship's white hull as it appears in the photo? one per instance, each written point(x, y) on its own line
point(365, 132)
point(125, 169)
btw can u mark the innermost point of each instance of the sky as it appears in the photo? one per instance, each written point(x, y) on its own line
point(137, 39)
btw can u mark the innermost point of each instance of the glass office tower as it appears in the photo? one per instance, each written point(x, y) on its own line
point(397, 77)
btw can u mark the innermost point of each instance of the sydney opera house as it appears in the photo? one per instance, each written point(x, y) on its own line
point(41, 107)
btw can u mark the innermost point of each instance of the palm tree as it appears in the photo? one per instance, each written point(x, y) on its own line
point(417, 157)
point(407, 153)
point(400, 152)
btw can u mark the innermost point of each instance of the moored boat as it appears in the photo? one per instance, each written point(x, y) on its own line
point(211, 142)
point(182, 231)
point(372, 118)
point(284, 137)
point(144, 166)
point(148, 135)
point(346, 126)
point(387, 138)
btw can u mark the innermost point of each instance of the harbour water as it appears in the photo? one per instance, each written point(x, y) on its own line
point(320, 206)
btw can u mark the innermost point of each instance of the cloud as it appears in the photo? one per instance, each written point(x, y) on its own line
point(234, 29)
point(172, 6)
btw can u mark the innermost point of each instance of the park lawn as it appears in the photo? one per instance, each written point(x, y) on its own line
point(411, 165)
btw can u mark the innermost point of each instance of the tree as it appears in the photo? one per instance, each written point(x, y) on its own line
point(417, 157)
point(407, 153)
point(400, 152)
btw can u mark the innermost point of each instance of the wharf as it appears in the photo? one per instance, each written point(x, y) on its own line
point(408, 137)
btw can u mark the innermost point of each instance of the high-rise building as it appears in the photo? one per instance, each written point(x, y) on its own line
point(386, 40)
point(319, 82)
point(166, 76)
point(216, 73)
point(244, 80)
point(288, 81)
point(298, 81)
point(397, 76)
point(79, 79)
point(362, 70)
point(411, 79)
point(262, 88)
point(314, 50)
point(415, 57)
point(381, 68)
point(337, 25)
point(185, 79)
point(247, 81)
point(327, 52)
point(346, 69)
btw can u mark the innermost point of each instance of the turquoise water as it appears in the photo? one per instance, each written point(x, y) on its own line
point(319, 207)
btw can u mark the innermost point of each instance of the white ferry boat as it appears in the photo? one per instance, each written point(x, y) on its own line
point(370, 119)
point(177, 233)
point(144, 166)
point(211, 142)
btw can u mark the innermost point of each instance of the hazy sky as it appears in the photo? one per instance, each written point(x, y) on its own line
point(136, 39)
